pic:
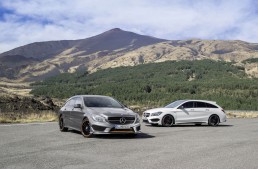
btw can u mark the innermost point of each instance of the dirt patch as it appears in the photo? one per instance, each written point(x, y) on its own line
point(19, 104)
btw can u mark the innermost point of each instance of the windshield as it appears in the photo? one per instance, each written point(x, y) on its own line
point(101, 102)
point(175, 104)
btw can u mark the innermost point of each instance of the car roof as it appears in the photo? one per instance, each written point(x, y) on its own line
point(88, 96)
point(207, 101)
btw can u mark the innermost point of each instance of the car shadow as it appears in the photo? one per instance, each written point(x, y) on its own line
point(117, 136)
point(124, 136)
point(191, 125)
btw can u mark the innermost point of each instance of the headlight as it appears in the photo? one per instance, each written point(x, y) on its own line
point(156, 113)
point(98, 118)
point(137, 118)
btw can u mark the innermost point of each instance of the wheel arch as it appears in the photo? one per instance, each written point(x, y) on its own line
point(85, 118)
point(214, 115)
point(168, 114)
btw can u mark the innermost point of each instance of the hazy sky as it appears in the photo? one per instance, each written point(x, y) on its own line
point(27, 21)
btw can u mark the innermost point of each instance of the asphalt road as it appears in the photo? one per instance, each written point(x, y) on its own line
point(232, 145)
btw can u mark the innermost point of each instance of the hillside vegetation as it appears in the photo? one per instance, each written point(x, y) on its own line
point(157, 84)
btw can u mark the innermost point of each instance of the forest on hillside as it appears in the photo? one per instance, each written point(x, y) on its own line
point(157, 84)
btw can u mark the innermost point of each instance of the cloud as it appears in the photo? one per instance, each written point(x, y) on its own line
point(27, 21)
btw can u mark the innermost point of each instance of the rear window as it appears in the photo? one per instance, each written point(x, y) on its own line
point(211, 105)
point(200, 105)
point(204, 105)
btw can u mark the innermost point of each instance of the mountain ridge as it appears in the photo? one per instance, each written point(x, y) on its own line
point(115, 48)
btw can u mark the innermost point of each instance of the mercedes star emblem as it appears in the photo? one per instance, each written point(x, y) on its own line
point(122, 120)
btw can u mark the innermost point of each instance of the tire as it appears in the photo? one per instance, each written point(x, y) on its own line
point(62, 125)
point(213, 120)
point(85, 128)
point(167, 121)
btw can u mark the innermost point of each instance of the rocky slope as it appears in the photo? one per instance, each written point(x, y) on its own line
point(116, 48)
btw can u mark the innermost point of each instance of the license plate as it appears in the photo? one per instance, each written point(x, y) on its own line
point(122, 127)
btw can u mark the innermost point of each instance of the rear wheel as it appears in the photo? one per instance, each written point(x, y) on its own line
point(86, 128)
point(62, 125)
point(213, 120)
point(167, 121)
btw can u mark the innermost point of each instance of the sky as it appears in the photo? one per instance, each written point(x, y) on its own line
point(27, 21)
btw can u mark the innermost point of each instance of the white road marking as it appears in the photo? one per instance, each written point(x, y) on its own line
point(24, 124)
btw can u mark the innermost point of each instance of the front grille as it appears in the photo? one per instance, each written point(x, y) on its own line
point(145, 121)
point(154, 120)
point(146, 114)
point(119, 120)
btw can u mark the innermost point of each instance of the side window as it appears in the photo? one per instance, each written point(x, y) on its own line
point(188, 105)
point(211, 105)
point(200, 105)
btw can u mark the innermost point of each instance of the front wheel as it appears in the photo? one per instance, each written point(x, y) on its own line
point(213, 120)
point(62, 125)
point(167, 121)
point(86, 128)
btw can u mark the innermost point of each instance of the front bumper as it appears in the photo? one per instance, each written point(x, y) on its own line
point(107, 128)
point(151, 120)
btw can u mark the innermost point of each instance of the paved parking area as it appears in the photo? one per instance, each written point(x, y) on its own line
point(231, 145)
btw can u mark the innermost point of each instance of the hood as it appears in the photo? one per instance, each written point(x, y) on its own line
point(162, 109)
point(113, 112)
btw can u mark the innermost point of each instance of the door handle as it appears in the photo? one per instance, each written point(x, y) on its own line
point(192, 109)
point(207, 110)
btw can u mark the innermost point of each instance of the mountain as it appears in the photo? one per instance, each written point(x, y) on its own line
point(54, 57)
point(115, 48)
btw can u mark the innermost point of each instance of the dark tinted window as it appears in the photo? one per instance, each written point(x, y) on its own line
point(200, 104)
point(188, 105)
point(211, 105)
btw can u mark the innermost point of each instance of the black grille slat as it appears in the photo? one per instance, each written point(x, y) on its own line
point(99, 128)
point(116, 120)
point(146, 114)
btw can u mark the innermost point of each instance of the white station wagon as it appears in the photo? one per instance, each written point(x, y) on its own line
point(186, 111)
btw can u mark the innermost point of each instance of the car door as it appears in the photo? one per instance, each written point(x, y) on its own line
point(77, 114)
point(183, 113)
point(211, 109)
point(66, 113)
point(200, 112)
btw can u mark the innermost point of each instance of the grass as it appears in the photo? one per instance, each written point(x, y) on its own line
point(44, 116)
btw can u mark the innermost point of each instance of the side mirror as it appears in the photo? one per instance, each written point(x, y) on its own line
point(79, 106)
point(181, 107)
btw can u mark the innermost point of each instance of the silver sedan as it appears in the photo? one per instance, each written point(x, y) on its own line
point(95, 114)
